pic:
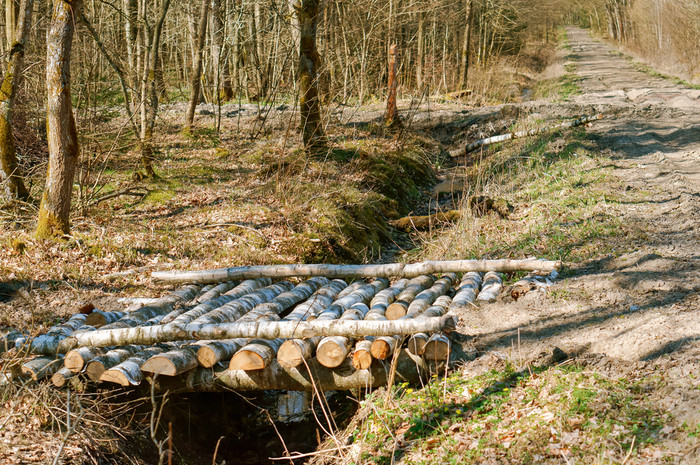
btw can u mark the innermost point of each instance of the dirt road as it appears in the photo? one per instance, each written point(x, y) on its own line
point(638, 311)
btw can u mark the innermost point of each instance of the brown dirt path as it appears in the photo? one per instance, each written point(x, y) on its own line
point(638, 311)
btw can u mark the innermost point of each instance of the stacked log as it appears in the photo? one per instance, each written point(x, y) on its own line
point(491, 287)
point(259, 353)
point(400, 306)
point(47, 344)
point(128, 372)
point(95, 368)
point(467, 292)
point(333, 350)
point(531, 282)
point(42, 366)
point(417, 342)
point(98, 318)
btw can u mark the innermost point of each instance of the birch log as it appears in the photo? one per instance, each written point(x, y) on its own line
point(97, 366)
point(491, 288)
point(236, 309)
point(417, 341)
point(216, 291)
point(409, 369)
point(331, 351)
point(384, 346)
point(519, 134)
point(467, 292)
point(62, 376)
point(162, 306)
point(98, 318)
point(318, 302)
point(427, 297)
point(293, 352)
point(9, 338)
point(384, 298)
point(77, 359)
point(362, 355)
point(48, 343)
point(212, 352)
point(255, 355)
point(437, 348)
point(354, 271)
point(415, 286)
point(128, 372)
point(173, 362)
point(362, 294)
point(42, 366)
point(246, 287)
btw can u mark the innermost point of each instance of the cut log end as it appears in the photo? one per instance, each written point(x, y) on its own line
point(159, 366)
point(246, 360)
point(74, 361)
point(206, 357)
point(290, 354)
point(95, 370)
point(396, 311)
point(437, 348)
point(116, 377)
point(381, 349)
point(361, 360)
point(332, 352)
point(416, 344)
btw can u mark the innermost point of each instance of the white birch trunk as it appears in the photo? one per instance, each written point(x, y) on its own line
point(61, 377)
point(77, 359)
point(362, 355)
point(384, 298)
point(426, 298)
point(173, 362)
point(212, 352)
point(354, 271)
point(48, 343)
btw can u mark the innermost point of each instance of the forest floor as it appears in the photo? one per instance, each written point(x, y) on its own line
point(603, 368)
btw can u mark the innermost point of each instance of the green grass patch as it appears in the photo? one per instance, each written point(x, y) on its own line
point(534, 415)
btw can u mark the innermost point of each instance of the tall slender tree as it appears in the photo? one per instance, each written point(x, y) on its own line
point(196, 78)
point(309, 103)
point(62, 136)
point(11, 174)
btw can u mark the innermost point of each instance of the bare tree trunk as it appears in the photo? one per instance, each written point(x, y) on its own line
point(391, 117)
point(10, 167)
point(420, 58)
point(149, 91)
point(131, 34)
point(314, 140)
point(196, 78)
point(464, 69)
point(54, 212)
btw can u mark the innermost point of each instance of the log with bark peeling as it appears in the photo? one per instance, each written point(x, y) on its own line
point(353, 271)
point(42, 366)
point(421, 223)
point(48, 343)
point(491, 287)
point(400, 306)
point(409, 369)
point(467, 292)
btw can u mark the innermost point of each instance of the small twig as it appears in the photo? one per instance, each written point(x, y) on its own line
point(297, 455)
point(128, 191)
point(216, 450)
point(629, 453)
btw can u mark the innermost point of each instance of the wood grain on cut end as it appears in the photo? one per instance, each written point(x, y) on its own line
point(246, 360)
point(116, 377)
point(416, 344)
point(95, 370)
point(396, 310)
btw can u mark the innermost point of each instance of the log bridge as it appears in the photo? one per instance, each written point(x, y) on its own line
point(255, 328)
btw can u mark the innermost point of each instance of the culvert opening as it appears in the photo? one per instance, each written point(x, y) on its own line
point(250, 428)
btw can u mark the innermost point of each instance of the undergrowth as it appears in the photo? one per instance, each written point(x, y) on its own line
point(548, 414)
